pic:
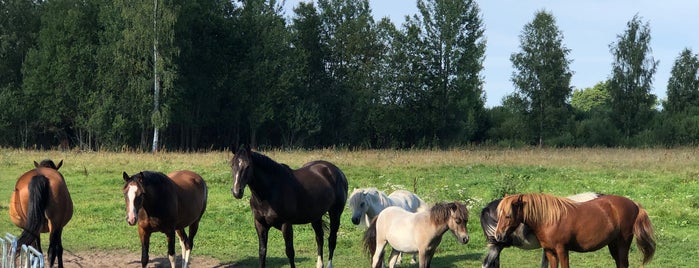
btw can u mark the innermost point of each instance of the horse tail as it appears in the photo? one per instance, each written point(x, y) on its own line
point(370, 241)
point(38, 201)
point(645, 236)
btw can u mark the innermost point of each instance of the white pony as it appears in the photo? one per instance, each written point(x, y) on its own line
point(415, 232)
point(367, 203)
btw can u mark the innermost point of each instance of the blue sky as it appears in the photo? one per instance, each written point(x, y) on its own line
point(588, 27)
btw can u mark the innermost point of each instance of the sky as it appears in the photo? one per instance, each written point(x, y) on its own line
point(589, 27)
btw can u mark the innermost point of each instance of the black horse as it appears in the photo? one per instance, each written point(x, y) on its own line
point(522, 237)
point(281, 197)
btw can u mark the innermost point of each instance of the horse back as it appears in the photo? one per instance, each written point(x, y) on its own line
point(191, 196)
point(323, 180)
point(59, 209)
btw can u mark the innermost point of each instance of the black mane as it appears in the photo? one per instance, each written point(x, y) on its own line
point(267, 163)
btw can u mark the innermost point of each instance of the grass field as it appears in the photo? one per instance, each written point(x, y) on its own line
point(665, 182)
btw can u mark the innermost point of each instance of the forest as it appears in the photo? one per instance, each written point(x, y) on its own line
point(208, 75)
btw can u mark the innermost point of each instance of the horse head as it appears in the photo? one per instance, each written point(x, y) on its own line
point(48, 163)
point(458, 221)
point(510, 216)
point(358, 205)
point(133, 194)
point(241, 167)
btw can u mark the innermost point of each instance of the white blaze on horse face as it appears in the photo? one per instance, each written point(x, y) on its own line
point(131, 211)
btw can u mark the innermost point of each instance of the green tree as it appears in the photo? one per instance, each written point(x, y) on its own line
point(58, 72)
point(454, 47)
point(543, 75)
point(588, 99)
point(19, 27)
point(262, 77)
point(683, 85)
point(349, 34)
point(632, 78)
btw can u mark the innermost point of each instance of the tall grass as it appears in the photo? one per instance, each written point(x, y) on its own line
point(665, 182)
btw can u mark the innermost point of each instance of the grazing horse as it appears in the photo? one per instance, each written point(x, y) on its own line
point(166, 204)
point(281, 197)
point(41, 203)
point(522, 237)
point(415, 232)
point(562, 225)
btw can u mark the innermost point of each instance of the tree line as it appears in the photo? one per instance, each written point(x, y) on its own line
point(197, 75)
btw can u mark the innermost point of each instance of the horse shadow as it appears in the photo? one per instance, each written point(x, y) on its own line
point(249, 262)
point(450, 260)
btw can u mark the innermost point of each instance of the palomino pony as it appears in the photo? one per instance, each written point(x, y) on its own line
point(415, 232)
point(281, 197)
point(562, 225)
point(366, 203)
point(167, 204)
point(522, 237)
point(41, 203)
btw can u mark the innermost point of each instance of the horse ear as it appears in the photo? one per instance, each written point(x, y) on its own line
point(248, 149)
point(126, 176)
point(59, 164)
point(36, 165)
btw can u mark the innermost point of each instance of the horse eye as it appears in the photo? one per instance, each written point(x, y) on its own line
point(361, 205)
point(458, 221)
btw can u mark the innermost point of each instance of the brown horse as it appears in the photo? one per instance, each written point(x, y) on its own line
point(562, 225)
point(282, 197)
point(166, 204)
point(41, 203)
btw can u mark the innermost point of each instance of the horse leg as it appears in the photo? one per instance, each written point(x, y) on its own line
point(424, 258)
point(562, 255)
point(55, 249)
point(620, 252)
point(262, 232)
point(318, 228)
point(171, 247)
point(184, 244)
point(377, 259)
point(334, 214)
point(551, 257)
point(394, 258)
point(145, 244)
point(288, 233)
point(492, 258)
point(190, 242)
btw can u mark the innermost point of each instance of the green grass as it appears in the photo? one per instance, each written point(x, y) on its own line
point(665, 182)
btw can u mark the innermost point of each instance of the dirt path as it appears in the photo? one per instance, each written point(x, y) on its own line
point(130, 259)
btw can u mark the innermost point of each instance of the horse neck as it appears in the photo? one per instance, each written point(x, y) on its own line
point(440, 228)
point(264, 182)
point(378, 203)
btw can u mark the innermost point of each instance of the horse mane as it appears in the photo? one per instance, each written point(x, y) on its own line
point(440, 212)
point(379, 196)
point(267, 163)
point(540, 208)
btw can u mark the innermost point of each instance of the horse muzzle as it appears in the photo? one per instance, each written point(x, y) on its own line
point(463, 240)
point(238, 194)
point(355, 220)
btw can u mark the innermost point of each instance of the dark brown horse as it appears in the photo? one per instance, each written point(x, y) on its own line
point(562, 225)
point(281, 197)
point(41, 203)
point(166, 204)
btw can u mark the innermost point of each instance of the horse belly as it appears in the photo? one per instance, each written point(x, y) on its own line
point(402, 241)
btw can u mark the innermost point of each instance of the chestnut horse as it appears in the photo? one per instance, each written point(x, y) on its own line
point(166, 204)
point(41, 203)
point(561, 225)
point(415, 232)
point(522, 237)
point(281, 197)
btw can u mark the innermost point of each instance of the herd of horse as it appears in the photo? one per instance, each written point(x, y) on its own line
point(281, 197)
